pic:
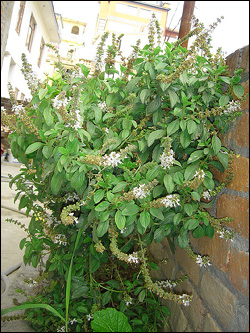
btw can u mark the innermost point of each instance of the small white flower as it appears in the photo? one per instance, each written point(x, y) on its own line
point(171, 200)
point(89, 316)
point(206, 195)
point(60, 101)
point(166, 284)
point(113, 159)
point(200, 174)
point(167, 159)
point(61, 329)
point(133, 258)
point(122, 230)
point(184, 301)
point(202, 261)
point(128, 300)
point(102, 106)
point(17, 108)
point(140, 192)
point(232, 106)
point(74, 320)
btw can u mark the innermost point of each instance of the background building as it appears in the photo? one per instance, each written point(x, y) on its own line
point(32, 25)
point(132, 19)
point(72, 47)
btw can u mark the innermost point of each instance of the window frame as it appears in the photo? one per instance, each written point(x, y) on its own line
point(20, 17)
point(31, 32)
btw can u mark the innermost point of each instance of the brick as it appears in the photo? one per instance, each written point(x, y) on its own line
point(191, 268)
point(210, 325)
point(240, 182)
point(245, 104)
point(170, 269)
point(245, 59)
point(218, 250)
point(241, 132)
point(237, 208)
point(178, 322)
point(232, 61)
point(239, 271)
point(158, 250)
point(219, 299)
point(196, 312)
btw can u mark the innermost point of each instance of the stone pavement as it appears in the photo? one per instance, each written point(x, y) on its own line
point(11, 254)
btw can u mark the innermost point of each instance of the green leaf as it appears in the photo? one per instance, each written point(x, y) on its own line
point(34, 306)
point(216, 144)
point(238, 90)
point(224, 100)
point(145, 218)
point(153, 173)
point(110, 320)
point(173, 97)
point(155, 135)
point(102, 206)
point(223, 158)
point(42, 92)
point(120, 220)
point(142, 295)
point(185, 138)
point(169, 183)
point(106, 298)
point(195, 196)
point(84, 69)
point(56, 182)
point(190, 171)
point(98, 196)
point(145, 93)
point(191, 224)
point(130, 209)
point(165, 310)
point(188, 208)
point(156, 213)
point(177, 218)
point(83, 133)
point(178, 178)
point(48, 116)
point(132, 83)
point(196, 155)
point(154, 105)
point(22, 243)
point(102, 228)
point(183, 241)
point(33, 147)
point(198, 232)
point(119, 187)
point(191, 126)
point(173, 127)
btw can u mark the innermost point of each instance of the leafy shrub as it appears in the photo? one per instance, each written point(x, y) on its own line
point(119, 159)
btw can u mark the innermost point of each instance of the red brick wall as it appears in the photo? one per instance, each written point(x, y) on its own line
point(221, 291)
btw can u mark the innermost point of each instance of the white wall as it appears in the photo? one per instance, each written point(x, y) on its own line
point(16, 46)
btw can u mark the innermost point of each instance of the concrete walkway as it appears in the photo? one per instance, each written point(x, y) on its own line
point(11, 254)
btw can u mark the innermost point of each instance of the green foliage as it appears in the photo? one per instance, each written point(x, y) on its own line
point(116, 160)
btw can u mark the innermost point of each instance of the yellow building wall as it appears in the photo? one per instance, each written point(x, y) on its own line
point(108, 9)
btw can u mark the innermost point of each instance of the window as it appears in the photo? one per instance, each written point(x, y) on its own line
point(20, 16)
point(42, 46)
point(31, 31)
point(75, 30)
point(125, 9)
point(16, 93)
point(101, 26)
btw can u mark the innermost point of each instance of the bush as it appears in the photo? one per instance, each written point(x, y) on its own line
point(119, 159)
